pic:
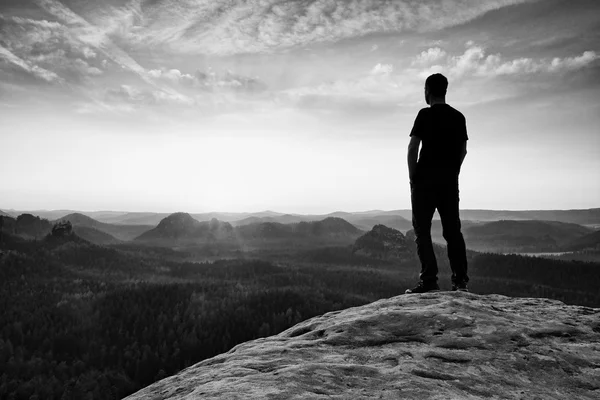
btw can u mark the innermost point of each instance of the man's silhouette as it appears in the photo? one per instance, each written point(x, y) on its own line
point(442, 132)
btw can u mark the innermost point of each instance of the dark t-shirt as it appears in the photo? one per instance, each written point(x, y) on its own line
point(442, 130)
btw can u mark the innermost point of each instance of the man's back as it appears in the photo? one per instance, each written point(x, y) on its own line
point(443, 132)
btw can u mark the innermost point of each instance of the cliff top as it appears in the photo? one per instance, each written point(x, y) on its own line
point(446, 345)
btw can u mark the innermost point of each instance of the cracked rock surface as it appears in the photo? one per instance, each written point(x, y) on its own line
point(445, 345)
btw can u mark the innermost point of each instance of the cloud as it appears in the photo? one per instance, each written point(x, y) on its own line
point(213, 27)
point(382, 69)
point(210, 80)
point(429, 56)
point(133, 95)
point(475, 62)
point(34, 70)
point(385, 85)
point(379, 88)
point(205, 91)
point(572, 63)
point(46, 49)
point(97, 38)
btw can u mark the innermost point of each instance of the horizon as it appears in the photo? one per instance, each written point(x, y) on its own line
point(298, 106)
point(274, 211)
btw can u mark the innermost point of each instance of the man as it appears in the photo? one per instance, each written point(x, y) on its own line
point(442, 132)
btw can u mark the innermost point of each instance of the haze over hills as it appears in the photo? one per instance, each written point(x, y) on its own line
point(181, 226)
point(578, 216)
point(120, 232)
point(522, 236)
point(589, 241)
point(281, 219)
point(328, 227)
point(94, 235)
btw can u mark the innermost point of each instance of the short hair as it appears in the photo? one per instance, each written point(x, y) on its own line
point(437, 84)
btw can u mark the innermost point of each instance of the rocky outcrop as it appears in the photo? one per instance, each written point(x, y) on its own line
point(384, 243)
point(446, 345)
point(62, 229)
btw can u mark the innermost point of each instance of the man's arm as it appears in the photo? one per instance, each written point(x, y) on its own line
point(413, 154)
point(463, 153)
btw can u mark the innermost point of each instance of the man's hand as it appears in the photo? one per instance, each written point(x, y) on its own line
point(463, 154)
point(413, 154)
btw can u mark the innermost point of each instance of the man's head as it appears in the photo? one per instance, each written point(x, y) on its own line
point(435, 86)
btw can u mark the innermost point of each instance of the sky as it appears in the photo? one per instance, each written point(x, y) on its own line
point(292, 106)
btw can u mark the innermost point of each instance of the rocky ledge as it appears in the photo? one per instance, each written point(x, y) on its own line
point(444, 345)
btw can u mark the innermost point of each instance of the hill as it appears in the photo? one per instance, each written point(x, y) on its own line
point(522, 236)
point(447, 345)
point(393, 221)
point(585, 242)
point(118, 232)
point(181, 227)
point(281, 219)
point(331, 227)
point(26, 226)
point(265, 230)
point(94, 235)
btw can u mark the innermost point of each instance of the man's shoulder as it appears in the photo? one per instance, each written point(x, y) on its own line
point(455, 111)
point(424, 112)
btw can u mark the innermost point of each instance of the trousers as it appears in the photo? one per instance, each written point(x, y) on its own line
point(426, 197)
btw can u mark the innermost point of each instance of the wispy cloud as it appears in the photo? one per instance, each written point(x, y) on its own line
point(36, 71)
point(131, 94)
point(213, 27)
point(46, 49)
point(97, 37)
point(210, 80)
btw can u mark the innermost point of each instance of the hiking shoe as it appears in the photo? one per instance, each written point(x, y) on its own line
point(423, 288)
point(460, 287)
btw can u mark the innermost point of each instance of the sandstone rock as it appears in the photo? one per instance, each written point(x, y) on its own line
point(447, 345)
point(62, 229)
point(384, 243)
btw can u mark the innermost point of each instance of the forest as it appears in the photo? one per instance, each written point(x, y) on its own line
point(83, 321)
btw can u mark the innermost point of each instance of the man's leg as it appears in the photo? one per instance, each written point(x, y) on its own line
point(423, 207)
point(448, 208)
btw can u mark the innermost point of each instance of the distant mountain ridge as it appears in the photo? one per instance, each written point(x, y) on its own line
point(183, 227)
point(522, 236)
point(589, 216)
